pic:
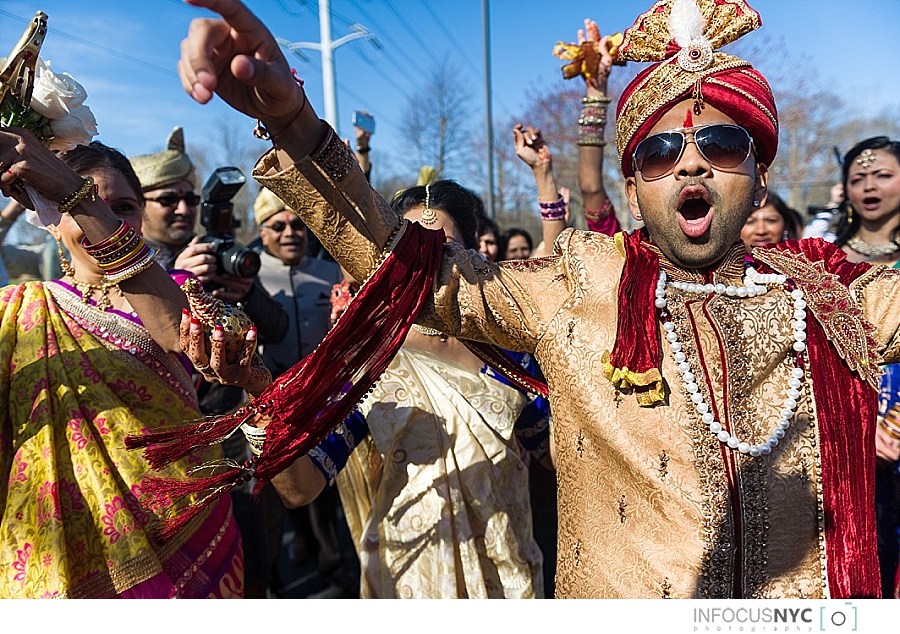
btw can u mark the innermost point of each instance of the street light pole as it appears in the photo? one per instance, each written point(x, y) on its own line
point(326, 47)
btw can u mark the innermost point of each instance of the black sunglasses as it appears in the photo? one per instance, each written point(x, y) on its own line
point(171, 199)
point(278, 226)
point(724, 145)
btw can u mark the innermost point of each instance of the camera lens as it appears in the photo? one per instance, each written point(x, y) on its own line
point(240, 261)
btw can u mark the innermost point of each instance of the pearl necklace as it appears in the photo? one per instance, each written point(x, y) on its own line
point(754, 284)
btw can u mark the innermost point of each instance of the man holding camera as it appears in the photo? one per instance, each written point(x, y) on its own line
point(172, 204)
point(168, 181)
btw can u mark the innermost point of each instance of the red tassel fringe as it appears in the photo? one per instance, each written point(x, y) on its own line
point(173, 493)
point(165, 448)
point(314, 396)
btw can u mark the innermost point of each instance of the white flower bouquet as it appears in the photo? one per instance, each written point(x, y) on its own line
point(48, 104)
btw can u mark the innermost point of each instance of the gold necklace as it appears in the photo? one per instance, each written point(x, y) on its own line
point(872, 251)
point(86, 288)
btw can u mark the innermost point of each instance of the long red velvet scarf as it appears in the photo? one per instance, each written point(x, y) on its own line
point(307, 402)
point(846, 406)
point(845, 403)
point(634, 362)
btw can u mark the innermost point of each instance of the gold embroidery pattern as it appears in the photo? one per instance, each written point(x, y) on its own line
point(779, 512)
point(579, 444)
point(623, 508)
point(858, 286)
point(833, 306)
point(336, 159)
point(820, 500)
point(726, 21)
point(666, 589)
point(533, 264)
point(750, 474)
point(717, 574)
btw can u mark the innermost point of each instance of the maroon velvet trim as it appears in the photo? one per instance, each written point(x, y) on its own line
point(637, 344)
point(846, 407)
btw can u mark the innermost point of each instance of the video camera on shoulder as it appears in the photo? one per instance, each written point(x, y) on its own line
point(217, 217)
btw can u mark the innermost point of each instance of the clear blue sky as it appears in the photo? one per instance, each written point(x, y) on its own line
point(125, 51)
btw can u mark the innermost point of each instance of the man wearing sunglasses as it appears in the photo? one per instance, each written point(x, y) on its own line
point(713, 415)
point(170, 213)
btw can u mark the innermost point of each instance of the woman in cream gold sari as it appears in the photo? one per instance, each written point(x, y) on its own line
point(432, 479)
point(85, 361)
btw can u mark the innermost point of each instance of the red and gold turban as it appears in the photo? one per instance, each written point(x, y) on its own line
point(682, 36)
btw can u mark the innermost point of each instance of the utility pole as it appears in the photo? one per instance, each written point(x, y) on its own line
point(488, 110)
point(326, 47)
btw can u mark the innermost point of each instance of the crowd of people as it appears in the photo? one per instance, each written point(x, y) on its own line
point(433, 405)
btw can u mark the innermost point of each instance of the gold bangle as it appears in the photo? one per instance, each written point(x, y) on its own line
point(137, 268)
point(87, 188)
point(889, 430)
point(118, 262)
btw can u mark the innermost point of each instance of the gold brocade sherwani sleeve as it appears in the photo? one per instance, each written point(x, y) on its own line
point(508, 305)
point(878, 293)
point(330, 193)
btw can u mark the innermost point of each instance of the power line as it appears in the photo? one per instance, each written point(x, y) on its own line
point(343, 89)
point(291, 12)
point(462, 52)
point(387, 77)
point(416, 36)
point(388, 51)
point(129, 58)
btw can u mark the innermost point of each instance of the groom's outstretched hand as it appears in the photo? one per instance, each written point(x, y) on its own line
point(237, 58)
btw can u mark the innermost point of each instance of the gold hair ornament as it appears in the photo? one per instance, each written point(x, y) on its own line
point(428, 215)
point(866, 158)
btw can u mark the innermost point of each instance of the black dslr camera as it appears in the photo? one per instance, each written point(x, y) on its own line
point(217, 218)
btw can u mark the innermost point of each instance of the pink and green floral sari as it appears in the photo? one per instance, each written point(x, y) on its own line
point(74, 381)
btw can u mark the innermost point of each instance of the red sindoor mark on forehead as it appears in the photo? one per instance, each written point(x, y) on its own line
point(688, 120)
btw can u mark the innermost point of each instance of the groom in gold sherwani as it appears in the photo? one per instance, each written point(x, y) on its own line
point(713, 412)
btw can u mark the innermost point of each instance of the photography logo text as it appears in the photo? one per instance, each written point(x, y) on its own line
point(831, 617)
